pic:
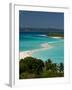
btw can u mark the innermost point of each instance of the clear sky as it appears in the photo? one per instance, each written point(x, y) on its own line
point(36, 19)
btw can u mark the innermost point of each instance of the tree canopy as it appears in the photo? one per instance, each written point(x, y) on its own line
point(30, 67)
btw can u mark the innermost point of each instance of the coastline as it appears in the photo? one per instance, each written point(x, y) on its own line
point(57, 37)
point(29, 53)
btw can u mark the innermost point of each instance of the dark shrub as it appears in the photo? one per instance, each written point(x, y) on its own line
point(31, 65)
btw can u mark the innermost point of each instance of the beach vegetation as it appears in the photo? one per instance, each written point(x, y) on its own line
point(30, 67)
point(55, 34)
point(61, 67)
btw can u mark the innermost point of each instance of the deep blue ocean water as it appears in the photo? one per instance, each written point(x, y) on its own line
point(31, 41)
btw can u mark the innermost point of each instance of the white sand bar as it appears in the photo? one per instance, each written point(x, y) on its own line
point(25, 54)
point(57, 37)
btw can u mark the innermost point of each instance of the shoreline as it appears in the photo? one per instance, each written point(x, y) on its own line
point(57, 37)
point(29, 53)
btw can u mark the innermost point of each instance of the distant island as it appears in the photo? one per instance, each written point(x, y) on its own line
point(51, 32)
point(28, 29)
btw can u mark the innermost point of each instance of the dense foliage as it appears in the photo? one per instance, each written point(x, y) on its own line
point(30, 67)
point(56, 34)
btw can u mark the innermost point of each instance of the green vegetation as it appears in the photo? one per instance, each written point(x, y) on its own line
point(30, 67)
point(55, 34)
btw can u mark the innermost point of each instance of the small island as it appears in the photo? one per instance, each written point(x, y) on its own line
point(55, 34)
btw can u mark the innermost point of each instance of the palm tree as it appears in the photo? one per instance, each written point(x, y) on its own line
point(54, 67)
point(61, 67)
point(48, 64)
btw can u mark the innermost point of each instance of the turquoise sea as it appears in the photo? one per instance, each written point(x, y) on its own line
point(32, 41)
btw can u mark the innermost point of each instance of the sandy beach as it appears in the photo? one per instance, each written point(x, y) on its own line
point(25, 54)
point(57, 37)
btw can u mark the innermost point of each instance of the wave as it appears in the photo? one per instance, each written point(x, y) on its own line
point(41, 35)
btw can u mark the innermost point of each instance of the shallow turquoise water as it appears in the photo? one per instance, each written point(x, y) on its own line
point(56, 53)
point(34, 41)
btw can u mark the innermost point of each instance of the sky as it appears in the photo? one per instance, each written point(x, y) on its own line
point(35, 19)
